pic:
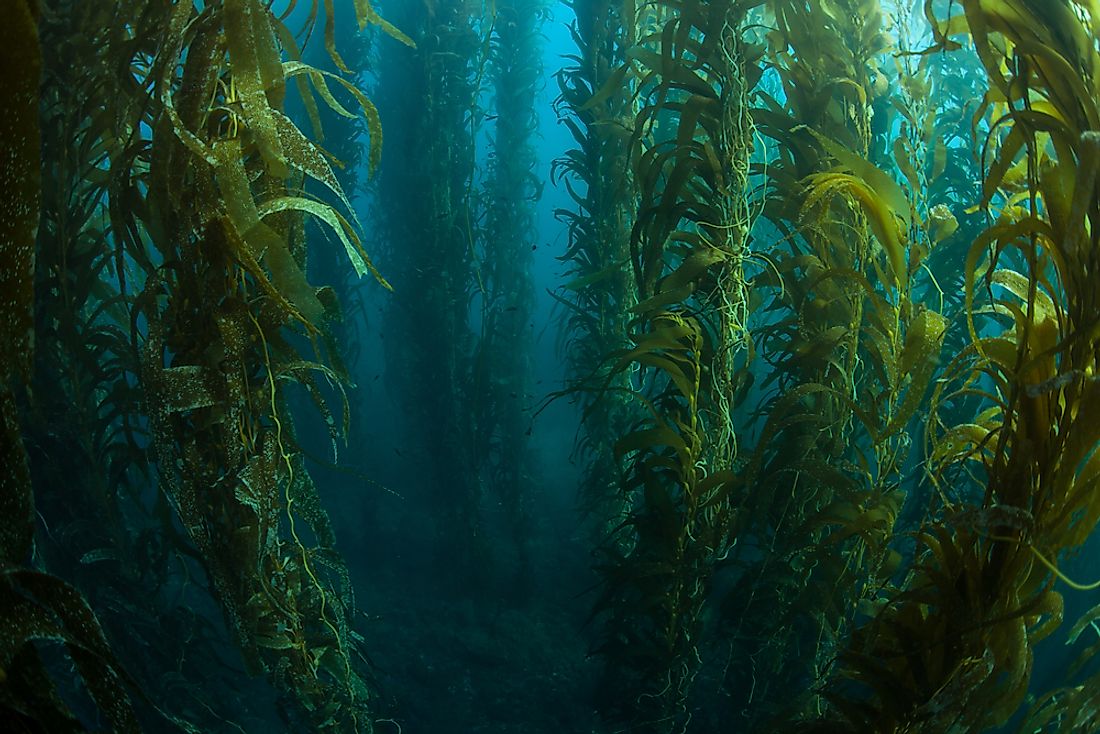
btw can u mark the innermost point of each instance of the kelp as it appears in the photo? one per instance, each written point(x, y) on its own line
point(347, 139)
point(851, 357)
point(39, 608)
point(432, 217)
point(103, 527)
point(36, 608)
point(509, 238)
point(210, 208)
point(689, 140)
point(596, 107)
point(952, 648)
point(19, 135)
point(748, 393)
point(26, 692)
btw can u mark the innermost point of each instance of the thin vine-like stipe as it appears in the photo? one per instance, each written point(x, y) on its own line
point(470, 239)
point(936, 283)
point(1049, 564)
point(290, 516)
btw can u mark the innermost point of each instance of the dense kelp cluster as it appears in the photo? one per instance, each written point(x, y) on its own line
point(816, 616)
point(688, 147)
point(824, 477)
point(828, 316)
point(174, 310)
point(984, 592)
point(595, 107)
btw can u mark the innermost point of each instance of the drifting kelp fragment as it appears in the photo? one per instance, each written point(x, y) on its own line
point(366, 14)
point(943, 223)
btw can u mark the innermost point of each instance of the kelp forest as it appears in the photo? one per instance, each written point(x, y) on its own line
point(550, 366)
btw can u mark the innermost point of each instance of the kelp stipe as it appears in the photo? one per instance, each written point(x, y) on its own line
point(689, 138)
point(430, 210)
point(507, 296)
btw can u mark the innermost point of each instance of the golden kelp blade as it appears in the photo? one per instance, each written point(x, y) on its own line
point(366, 14)
point(370, 112)
point(254, 62)
point(340, 227)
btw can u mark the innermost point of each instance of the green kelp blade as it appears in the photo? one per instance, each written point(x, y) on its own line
point(919, 360)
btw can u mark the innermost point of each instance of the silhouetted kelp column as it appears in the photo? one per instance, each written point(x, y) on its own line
point(599, 296)
point(508, 239)
point(427, 204)
point(21, 193)
point(39, 613)
point(689, 142)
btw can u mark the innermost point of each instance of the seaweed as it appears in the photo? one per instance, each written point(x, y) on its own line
point(596, 107)
point(689, 136)
point(952, 648)
point(849, 357)
point(36, 608)
point(828, 316)
point(21, 184)
point(200, 176)
point(507, 297)
point(432, 216)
